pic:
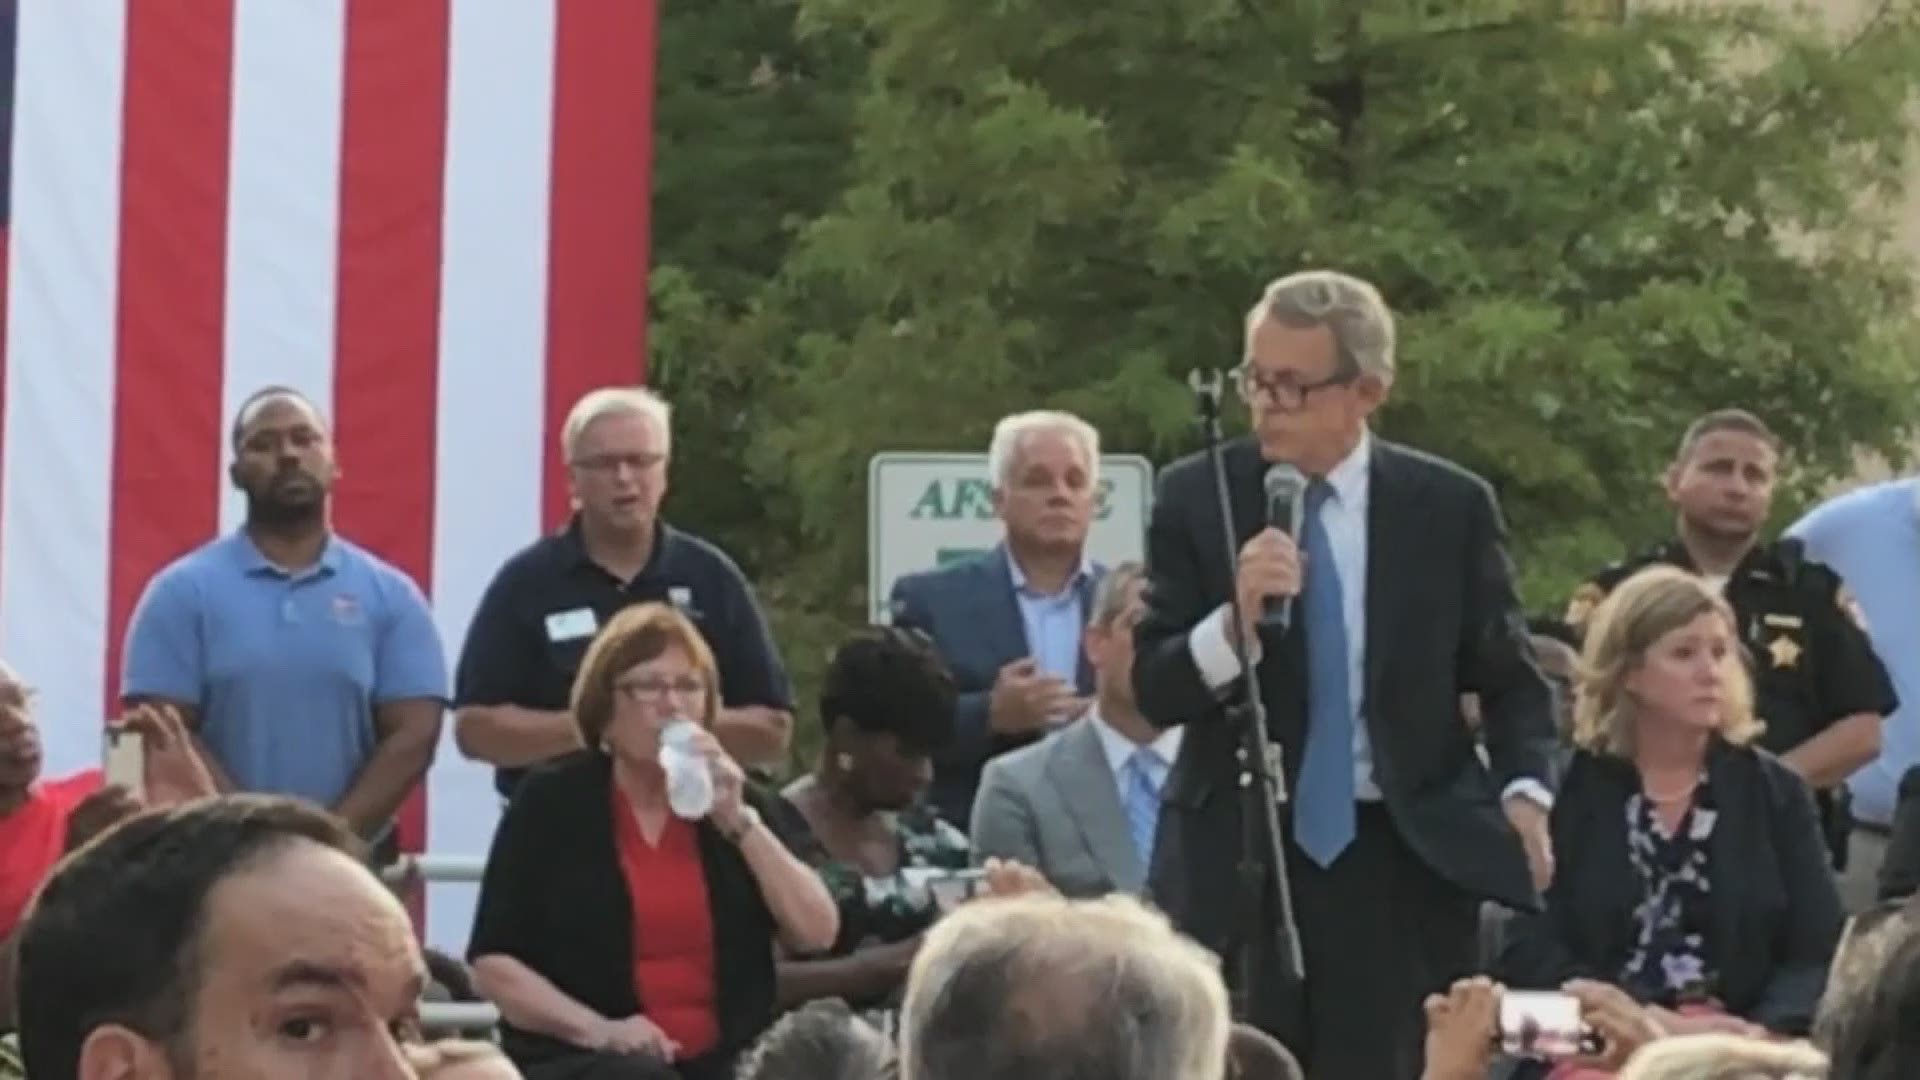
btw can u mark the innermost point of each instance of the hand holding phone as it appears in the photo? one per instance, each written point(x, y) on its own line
point(126, 761)
point(1543, 1025)
point(952, 888)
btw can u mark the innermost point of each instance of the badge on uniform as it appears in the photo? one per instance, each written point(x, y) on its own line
point(346, 610)
point(571, 625)
point(681, 597)
point(1785, 651)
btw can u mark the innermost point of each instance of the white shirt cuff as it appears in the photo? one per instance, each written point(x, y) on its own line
point(1531, 790)
point(1212, 650)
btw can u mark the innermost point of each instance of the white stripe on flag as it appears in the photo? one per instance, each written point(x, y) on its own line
point(60, 370)
point(283, 209)
point(493, 310)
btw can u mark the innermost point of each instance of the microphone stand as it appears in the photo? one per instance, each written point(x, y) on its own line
point(1258, 934)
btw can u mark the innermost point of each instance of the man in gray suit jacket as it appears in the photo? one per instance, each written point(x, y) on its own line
point(1082, 806)
point(1007, 623)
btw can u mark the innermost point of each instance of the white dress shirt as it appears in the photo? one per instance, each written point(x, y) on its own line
point(1344, 515)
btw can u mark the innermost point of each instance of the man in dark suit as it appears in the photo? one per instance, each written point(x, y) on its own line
point(1008, 623)
point(1399, 823)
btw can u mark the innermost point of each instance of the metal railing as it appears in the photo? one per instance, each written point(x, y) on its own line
point(430, 868)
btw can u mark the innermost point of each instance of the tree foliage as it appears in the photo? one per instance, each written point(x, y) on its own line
point(1592, 227)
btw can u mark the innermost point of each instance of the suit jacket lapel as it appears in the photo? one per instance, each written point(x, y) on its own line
point(1392, 537)
point(999, 609)
point(1083, 670)
point(1078, 764)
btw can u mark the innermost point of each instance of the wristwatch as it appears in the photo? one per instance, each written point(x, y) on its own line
point(749, 820)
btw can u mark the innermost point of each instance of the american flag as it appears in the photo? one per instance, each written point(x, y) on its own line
point(430, 215)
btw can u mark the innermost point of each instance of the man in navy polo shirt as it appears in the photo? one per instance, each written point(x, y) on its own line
point(525, 643)
point(303, 664)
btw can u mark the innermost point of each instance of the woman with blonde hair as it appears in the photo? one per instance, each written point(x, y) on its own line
point(619, 939)
point(1691, 872)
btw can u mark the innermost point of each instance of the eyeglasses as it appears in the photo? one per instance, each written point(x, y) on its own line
point(1283, 392)
point(17, 695)
point(640, 690)
point(611, 463)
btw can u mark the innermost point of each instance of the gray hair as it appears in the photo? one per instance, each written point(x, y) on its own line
point(1004, 452)
point(1038, 987)
point(1362, 325)
point(1725, 1057)
point(821, 1039)
point(614, 401)
point(1110, 599)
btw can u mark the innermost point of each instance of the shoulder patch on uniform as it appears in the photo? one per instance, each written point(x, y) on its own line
point(1844, 599)
point(1580, 606)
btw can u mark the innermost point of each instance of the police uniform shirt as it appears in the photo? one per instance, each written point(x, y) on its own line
point(1806, 644)
point(548, 601)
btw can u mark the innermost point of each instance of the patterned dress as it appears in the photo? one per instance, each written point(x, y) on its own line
point(895, 907)
point(1668, 964)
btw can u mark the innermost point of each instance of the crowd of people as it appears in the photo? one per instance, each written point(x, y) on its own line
point(1686, 810)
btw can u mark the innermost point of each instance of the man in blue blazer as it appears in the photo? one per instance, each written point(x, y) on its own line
point(1008, 622)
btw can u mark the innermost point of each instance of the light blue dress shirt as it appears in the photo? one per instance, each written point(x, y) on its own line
point(1871, 537)
point(1053, 621)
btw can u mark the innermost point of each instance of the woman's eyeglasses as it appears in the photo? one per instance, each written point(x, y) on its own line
point(656, 689)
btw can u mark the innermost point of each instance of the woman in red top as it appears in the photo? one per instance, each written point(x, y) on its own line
point(617, 939)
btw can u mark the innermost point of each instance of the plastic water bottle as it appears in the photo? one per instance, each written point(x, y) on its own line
point(689, 777)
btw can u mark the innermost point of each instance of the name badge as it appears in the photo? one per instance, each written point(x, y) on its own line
point(1788, 622)
point(571, 625)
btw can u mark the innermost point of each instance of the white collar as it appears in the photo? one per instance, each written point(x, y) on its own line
point(1349, 478)
point(1119, 749)
point(1083, 573)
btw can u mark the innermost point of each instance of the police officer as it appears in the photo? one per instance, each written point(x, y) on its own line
point(1817, 682)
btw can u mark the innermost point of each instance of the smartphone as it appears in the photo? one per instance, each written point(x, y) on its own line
point(126, 761)
point(951, 888)
point(1543, 1024)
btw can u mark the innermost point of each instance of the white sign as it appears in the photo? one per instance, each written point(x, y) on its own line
point(927, 510)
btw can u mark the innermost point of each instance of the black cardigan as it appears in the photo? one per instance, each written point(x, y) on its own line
point(1775, 909)
point(554, 898)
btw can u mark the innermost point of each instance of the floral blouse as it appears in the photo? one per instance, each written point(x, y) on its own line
point(1668, 964)
point(883, 910)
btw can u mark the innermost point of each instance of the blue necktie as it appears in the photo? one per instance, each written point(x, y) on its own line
point(1142, 801)
point(1323, 814)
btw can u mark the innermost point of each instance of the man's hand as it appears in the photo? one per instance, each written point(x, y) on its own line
point(175, 772)
point(1269, 566)
point(1460, 1029)
point(1024, 701)
point(1622, 1024)
point(99, 812)
point(1006, 877)
point(1529, 819)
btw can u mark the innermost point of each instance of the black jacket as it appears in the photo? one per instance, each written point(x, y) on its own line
point(1776, 914)
point(554, 898)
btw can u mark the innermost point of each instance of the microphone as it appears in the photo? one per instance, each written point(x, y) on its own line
point(1286, 497)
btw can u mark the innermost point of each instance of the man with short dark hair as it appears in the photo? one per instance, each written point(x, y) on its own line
point(1817, 682)
point(234, 937)
point(304, 664)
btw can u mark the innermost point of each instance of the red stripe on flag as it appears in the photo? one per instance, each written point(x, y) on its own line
point(392, 161)
point(601, 194)
point(167, 431)
point(6, 246)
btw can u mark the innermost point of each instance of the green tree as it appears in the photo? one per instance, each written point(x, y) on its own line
point(1592, 226)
